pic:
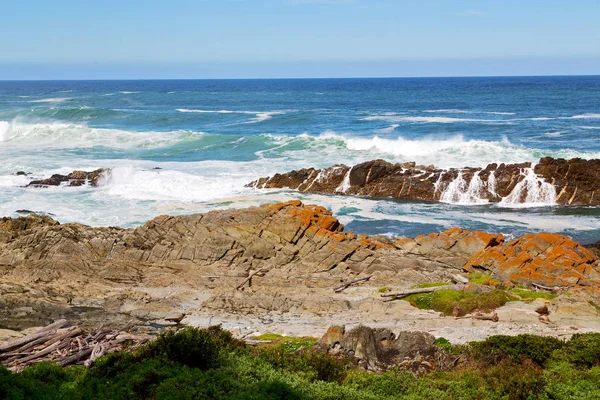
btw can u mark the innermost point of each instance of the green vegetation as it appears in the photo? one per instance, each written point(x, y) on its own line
point(445, 301)
point(492, 296)
point(432, 284)
point(482, 279)
point(287, 343)
point(210, 364)
point(525, 294)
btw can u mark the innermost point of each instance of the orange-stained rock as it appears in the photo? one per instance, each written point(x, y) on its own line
point(453, 246)
point(548, 259)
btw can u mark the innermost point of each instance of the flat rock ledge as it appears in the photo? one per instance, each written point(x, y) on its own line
point(274, 268)
point(574, 182)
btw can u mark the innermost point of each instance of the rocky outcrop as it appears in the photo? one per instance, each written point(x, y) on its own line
point(204, 265)
point(566, 182)
point(75, 178)
point(377, 349)
point(547, 259)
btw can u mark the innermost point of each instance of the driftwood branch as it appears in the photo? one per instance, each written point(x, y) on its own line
point(456, 278)
point(249, 278)
point(406, 292)
point(346, 285)
point(551, 289)
point(38, 334)
point(65, 346)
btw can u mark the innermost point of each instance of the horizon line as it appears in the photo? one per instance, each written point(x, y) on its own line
point(307, 78)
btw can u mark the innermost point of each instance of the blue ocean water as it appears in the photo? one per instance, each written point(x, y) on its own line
point(186, 146)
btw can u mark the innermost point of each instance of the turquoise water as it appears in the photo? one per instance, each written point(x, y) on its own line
point(190, 146)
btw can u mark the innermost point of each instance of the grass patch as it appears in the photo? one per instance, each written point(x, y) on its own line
point(445, 301)
point(432, 284)
point(383, 290)
point(288, 343)
point(526, 294)
point(482, 279)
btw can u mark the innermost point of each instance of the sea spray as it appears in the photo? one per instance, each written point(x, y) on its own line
point(531, 191)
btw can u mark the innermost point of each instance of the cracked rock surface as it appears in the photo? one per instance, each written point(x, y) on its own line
point(194, 264)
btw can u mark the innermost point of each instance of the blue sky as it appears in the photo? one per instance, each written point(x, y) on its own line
point(44, 39)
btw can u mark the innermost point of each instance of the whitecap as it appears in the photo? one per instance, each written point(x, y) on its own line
point(51, 100)
point(259, 116)
point(552, 134)
point(434, 119)
point(66, 135)
point(126, 92)
point(583, 116)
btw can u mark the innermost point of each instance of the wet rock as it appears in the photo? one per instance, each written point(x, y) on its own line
point(21, 173)
point(568, 182)
point(75, 178)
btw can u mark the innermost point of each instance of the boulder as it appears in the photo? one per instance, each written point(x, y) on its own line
point(377, 349)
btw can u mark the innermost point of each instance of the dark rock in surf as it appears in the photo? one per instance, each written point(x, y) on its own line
point(75, 178)
point(551, 181)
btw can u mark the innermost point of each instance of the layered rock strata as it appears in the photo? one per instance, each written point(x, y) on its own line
point(199, 265)
point(573, 182)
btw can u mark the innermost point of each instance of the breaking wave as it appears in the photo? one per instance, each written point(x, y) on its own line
point(66, 135)
point(259, 116)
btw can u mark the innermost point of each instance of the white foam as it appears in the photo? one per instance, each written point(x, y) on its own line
point(389, 129)
point(458, 192)
point(345, 185)
point(4, 127)
point(259, 116)
point(51, 100)
point(552, 134)
point(436, 119)
point(583, 116)
point(588, 127)
point(456, 111)
point(444, 152)
point(126, 92)
point(64, 135)
point(536, 190)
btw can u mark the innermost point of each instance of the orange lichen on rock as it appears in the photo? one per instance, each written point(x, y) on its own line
point(544, 258)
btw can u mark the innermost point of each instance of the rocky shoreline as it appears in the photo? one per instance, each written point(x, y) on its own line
point(574, 182)
point(274, 269)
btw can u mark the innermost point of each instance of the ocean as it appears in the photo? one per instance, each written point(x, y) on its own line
point(186, 146)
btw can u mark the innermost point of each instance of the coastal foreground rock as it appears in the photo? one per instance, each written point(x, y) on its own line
point(273, 268)
point(574, 182)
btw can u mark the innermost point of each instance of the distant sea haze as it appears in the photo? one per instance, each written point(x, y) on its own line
point(190, 146)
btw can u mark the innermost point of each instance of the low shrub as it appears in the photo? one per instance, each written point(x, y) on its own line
point(518, 348)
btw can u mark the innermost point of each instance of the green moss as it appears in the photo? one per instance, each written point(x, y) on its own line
point(445, 301)
point(596, 306)
point(288, 343)
point(383, 290)
point(432, 284)
point(525, 294)
point(482, 279)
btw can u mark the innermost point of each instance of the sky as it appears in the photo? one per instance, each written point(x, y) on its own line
point(129, 39)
